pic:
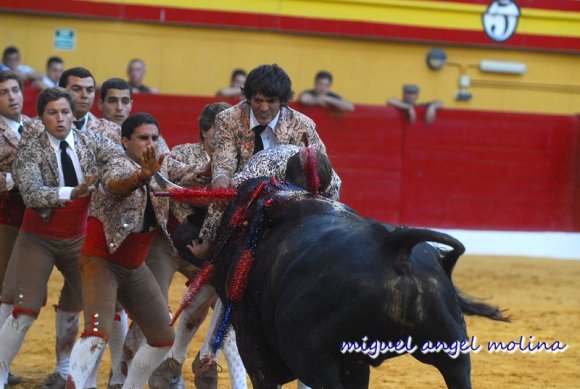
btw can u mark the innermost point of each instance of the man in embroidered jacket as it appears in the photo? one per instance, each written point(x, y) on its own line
point(54, 221)
point(124, 221)
point(14, 126)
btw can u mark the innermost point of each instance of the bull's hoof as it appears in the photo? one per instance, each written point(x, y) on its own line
point(205, 373)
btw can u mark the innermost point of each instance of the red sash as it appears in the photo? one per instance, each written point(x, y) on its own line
point(64, 223)
point(132, 252)
point(11, 209)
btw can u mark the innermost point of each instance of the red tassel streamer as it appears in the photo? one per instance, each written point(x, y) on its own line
point(311, 170)
point(240, 277)
point(201, 279)
point(197, 195)
point(240, 214)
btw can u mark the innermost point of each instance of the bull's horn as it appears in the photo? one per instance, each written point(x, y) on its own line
point(164, 183)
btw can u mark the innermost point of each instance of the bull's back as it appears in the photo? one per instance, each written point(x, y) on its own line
point(330, 280)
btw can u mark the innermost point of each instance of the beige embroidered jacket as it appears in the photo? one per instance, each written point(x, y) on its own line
point(121, 215)
point(233, 143)
point(9, 143)
point(272, 163)
point(36, 167)
point(104, 127)
point(194, 156)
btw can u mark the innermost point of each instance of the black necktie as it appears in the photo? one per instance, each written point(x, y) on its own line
point(258, 144)
point(20, 129)
point(149, 219)
point(79, 123)
point(68, 169)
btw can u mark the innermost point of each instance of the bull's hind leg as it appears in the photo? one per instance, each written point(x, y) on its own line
point(352, 375)
point(355, 375)
point(455, 372)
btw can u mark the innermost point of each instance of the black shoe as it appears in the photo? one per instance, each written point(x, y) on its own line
point(13, 379)
point(54, 381)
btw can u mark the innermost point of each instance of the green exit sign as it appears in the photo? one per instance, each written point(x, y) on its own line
point(64, 39)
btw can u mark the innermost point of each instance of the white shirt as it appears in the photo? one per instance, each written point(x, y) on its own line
point(87, 117)
point(64, 192)
point(47, 81)
point(14, 126)
point(269, 134)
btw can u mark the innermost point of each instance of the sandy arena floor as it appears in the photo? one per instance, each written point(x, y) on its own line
point(541, 296)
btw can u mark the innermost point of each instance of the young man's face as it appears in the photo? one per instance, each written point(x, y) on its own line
point(54, 71)
point(12, 60)
point(265, 108)
point(322, 86)
point(11, 100)
point(136, 72)
point(411, 98)
point(57, 118)
point(84, 91)
point(116, 105)
point(143, 136)
point(239, 81)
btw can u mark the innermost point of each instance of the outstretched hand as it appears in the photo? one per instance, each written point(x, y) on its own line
point(85, 188)
point(150, 164)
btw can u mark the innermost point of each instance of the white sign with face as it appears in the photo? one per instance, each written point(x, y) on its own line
point(500, 20)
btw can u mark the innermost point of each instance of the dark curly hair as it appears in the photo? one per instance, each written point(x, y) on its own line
point(270, 81)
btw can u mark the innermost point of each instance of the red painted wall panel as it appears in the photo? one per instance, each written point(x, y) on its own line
point(469, 170)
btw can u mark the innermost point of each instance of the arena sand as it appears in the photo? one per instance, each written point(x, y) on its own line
point(542, 297)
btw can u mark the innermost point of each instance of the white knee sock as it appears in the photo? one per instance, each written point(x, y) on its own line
point(92, 379)
point(189, 322)
point(85, 355)
point(234, 361)
point(5, 311)
point(145, 362)
point(12, 336)
point(67, 329)
point(133, 340)
point(116, 340)
point(206, 350)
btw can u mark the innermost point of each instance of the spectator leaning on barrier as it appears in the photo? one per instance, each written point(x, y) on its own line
point(321, 95)
point(409, 102)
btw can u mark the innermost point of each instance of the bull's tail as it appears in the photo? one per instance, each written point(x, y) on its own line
point(407, 238)
point(471, 306)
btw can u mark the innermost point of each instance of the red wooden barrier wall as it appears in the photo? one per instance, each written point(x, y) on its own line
point(469, 170)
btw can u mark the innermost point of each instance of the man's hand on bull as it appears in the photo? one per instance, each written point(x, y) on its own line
point(200, 248)
point(85, 188)
point(205, 173)
point(150, 164)
point(221, 182)
point(197, 178)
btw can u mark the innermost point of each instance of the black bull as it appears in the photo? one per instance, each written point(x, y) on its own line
point(321, 276)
